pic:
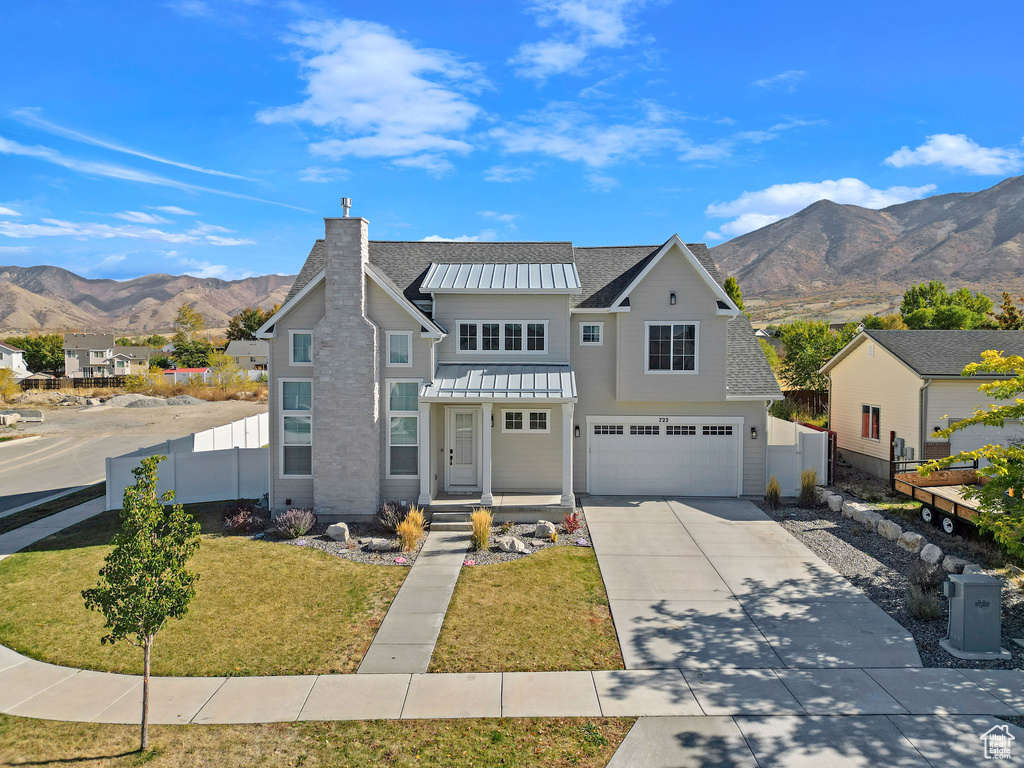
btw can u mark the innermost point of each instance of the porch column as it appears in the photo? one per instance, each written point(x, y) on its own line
point(424, 455)
point(568, 500)
point(486, 498)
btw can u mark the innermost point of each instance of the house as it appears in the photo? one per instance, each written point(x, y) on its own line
point(13, 359)
point(907, 385)
point(418, 370)
point(249, 355)
point(185, 375)
point(95, 355)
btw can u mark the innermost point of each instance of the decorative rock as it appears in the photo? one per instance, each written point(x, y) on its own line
point(338, 532)
point(544, 530)
point(821, 494)
point(380, 545)
point(868, 518)
point(973, 568)
point(953, 564)
point(511, 544)
point(912, 542)
point(835, 502)
point(536, 543)
point(887, 529)
point(931, 554)
point(849, 507)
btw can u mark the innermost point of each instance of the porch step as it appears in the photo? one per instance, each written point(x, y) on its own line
point(450, 521)
point(454, 526)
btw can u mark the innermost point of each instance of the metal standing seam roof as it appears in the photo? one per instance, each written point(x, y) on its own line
point(456, 381)
point(501, 277)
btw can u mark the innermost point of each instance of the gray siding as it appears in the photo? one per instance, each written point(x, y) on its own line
point(527, 462)
point(450, 309)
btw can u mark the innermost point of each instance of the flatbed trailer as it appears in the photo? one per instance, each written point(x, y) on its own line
point(941, 493)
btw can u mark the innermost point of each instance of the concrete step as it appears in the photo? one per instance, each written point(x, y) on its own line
point(455, 525)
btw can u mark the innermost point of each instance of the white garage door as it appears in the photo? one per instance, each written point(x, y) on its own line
point(670, 456)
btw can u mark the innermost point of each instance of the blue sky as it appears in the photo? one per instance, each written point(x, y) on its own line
point(210, 137)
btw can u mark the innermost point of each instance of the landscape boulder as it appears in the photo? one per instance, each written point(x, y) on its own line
point(511, 544)
point(338, 532)
point(821, 494)
point(380, 545)
point(931, 554)
point(835, 502)
point(972, 568)
point(912, 542)
point(544, 530)
point(887, 529)
point(953, 564)
point(850, 509)
point(866, 516)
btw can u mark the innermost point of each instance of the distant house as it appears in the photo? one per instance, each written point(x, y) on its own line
point(13, 359)
point(249, 355)
point(907, 385)
point(95, 355)
point(184, 375)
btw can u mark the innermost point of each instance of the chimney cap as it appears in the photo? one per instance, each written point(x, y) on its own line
point(346, 204)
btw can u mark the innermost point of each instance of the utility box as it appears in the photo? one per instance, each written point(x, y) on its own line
point(975, 626)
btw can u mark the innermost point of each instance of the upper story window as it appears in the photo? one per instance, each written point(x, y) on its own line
point(97, 354)
point(302, 347)
point(506, 336)
point(672, 347)
point(399, 348)
point(591, 334)
point(870, 422)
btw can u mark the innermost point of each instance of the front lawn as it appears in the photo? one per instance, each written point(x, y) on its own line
point(260, 608)
point(545, 612)
point(587, 742)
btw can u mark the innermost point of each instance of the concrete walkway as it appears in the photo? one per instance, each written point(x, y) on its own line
point(29, 534)
point(716, 584)
point(406, 638)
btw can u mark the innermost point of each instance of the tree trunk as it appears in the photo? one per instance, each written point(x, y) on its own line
point(146, 650)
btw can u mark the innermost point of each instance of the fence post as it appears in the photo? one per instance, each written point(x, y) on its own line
point(109, 490)
point(174, 473)
point(238, 473)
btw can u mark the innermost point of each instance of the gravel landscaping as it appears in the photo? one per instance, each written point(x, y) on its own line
point(525, 533)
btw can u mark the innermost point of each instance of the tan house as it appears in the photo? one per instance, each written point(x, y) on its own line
point(95, 355)
point(249, 355)
point(426, 371)
point(893, 390)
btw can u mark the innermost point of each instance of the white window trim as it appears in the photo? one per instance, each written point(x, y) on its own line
point(526, 421)
point(280, 425)
point(868, 436)
point(696, 345)
point(403, 414)
point(600, 335)
point(387, 351)
point(501, 337)
point(291, 348)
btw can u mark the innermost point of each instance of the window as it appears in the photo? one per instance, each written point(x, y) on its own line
point(591, 334)
point(535, 337)
point(467, 337)
point(644, 429)
point(514, 337)
point(607, 429)
point(302, 347)
point(296, 428)
point(119, 364)
point(870, 418)
point(490, 340)
point(526, 421)
point(717, 430)
point(680, 429)
point(97, 354)
point(403, 428)
point(399, 348)
point(672, 347)
point(506, 336)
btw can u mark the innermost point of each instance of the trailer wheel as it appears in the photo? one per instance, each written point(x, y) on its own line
point(927, 515)
point(948, 524)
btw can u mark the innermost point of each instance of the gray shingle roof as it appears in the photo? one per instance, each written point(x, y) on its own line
point(747, 371)
point(946, 353)
point(248, 347)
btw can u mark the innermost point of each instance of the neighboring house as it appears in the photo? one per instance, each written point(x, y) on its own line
point(95, 355)
point(249, 355)
point(185, 375)
point(908, 384)
point(14, 359)
point(415, 370)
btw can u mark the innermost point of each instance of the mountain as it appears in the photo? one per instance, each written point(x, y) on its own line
point(54, 299)
point(837, 260)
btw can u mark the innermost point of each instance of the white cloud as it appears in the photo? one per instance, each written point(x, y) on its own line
point(753, 210)
point(600, 182)
point(30, 116)
point(386, 96)
point(8, 211)
point(91, 231)
point(201, 228)
point(485, 235)
point(215, 240)
point(585, 25)
point(172, 209)
point(433, 164)
point(138, 217)
point(199, 268)
point(504, 218)
point(787, 80)
point(15, 249)
point(321, 175)
point(508, 174)
point(957, 152)
point(114, 258)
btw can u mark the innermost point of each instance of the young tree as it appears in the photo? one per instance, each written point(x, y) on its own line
point(809, 345)
point(1001, 499)
point(890, 322)
point(732, 288)
point(192, 354)
point(188, 324)
point(1009, 317)
point(124, 341)
point(244, 325)
point(225, 371)
point(144, 581)
point(156, 341)
point(771, 355)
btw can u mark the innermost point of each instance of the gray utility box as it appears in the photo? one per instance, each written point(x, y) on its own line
point(975, 627)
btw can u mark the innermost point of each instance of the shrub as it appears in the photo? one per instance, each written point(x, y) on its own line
point(773, 493)
point(784, 409)
point(481, 519)
point(244, 520)
point(390, 512)
point(572, 523)
point(410, 530)
point(507, 527)
point(925, 576)
point(9, 388)
point(295, 523)
point(923, 605)
point(808, 487)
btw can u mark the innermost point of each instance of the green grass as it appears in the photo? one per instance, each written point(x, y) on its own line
point(41, 511)
point(8, 438)
point(545, 612)
point(260, 608)
point(586, 742)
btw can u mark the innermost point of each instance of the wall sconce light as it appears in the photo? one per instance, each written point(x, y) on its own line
point(576, 430)
point(672, 298)
point(492, 421)
point(753, 433)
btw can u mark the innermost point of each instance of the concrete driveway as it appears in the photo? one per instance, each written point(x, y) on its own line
point(708, 584)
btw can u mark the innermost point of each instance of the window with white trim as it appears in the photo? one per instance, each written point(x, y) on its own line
point(671, 347)
point(296, 428)
point(591, 334)
point(870, 422)
point(97, 354)
point(399, 348)
point(644, 429)
point(503, 336)
point(467, 337)
point(302, 347)
point(717, 430)
point(403, 428)
point(608, 429)
point(526, 421)
point(680, 429)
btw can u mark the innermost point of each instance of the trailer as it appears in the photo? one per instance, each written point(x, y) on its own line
point(941, 493)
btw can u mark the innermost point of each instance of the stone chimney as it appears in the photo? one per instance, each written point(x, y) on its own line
point(346, 390)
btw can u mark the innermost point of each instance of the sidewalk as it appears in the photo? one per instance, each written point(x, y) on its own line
point(29, 534)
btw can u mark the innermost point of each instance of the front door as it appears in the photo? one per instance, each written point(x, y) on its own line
point(462, 448)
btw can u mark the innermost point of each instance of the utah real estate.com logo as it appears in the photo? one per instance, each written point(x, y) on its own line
point(997, 742)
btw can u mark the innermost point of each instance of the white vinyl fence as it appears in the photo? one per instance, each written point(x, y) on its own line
point(792, 449)
point(219, 464)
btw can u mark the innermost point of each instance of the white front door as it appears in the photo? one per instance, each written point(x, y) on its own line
point(463, 448)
